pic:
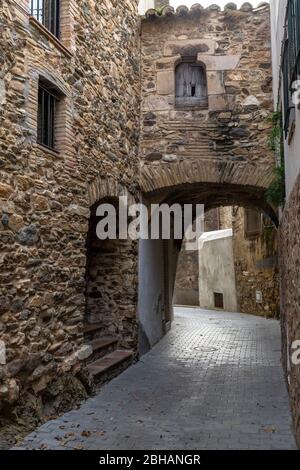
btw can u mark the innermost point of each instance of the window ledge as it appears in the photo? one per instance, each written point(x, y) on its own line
point(44, 148)
point(50, 36)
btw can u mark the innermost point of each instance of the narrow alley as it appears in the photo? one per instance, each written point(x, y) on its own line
point(214, 382)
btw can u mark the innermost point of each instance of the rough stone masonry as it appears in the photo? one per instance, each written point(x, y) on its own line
point(46, 196)
point(224, 141)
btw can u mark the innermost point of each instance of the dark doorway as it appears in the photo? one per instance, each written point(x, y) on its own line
point(219, 300)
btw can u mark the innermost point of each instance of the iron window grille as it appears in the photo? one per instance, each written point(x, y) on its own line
point(291, 59)
point(47, 12)
point(48, 98)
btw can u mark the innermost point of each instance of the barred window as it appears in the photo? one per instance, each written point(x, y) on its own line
point(47, 109)
point(291, 60)
point(47, 12)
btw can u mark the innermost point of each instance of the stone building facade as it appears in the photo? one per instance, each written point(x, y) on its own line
point(255, 258)
point(124, 126)
point(285, 20)
point(186, 290)
point(206, 96)
point(47, 194)
point(256, 266)
point(219, 139)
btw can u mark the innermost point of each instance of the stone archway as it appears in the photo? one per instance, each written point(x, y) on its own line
point(171, 186)
point(208, 179)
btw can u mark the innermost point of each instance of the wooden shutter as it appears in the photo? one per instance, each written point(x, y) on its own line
point(191, 87)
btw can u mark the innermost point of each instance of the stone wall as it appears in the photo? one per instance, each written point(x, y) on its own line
point(45, 195)
point(256, 267)
point(255, 260)
point(217, 289)
point(289, 249)
point(187, 275)
point(186, 290)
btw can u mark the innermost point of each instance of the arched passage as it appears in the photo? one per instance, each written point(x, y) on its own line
point(158, 258)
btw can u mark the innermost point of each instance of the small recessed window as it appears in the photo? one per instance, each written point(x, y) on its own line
point(47, 12)
point(47, 106)
point(219, 300)
point(191, 84)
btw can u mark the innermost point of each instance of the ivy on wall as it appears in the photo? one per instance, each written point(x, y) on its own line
point(275, 194)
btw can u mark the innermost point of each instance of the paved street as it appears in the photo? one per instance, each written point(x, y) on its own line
point(214, 382)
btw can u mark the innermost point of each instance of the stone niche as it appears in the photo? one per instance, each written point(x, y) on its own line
point(204, 53)
point(289, 255)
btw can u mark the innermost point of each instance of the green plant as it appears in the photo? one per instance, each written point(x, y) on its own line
point(275, 136)
point(159, 10)
point(275, 194)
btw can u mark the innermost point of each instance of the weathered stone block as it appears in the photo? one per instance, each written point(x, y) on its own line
point(84, 352)
point(28, 236)
point(215, 83)
point(189, 47)
point(166, 82)
point(222, 62)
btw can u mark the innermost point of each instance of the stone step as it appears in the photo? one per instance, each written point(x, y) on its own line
point(103, 343)
point(197, 147)
point(200, 124)
point(191, 127)
point(106, 363)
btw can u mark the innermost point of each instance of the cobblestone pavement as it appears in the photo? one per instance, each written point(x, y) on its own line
point(214, 382)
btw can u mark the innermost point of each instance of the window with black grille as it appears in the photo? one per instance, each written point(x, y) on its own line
point(191, 84)
point(291, 61)
point(253, 223)
point(47, 107)
point(47, 12)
